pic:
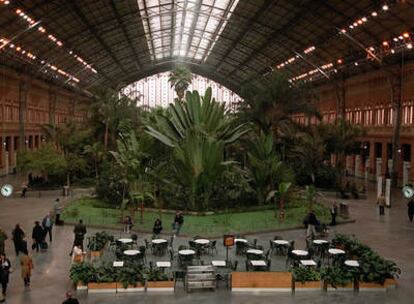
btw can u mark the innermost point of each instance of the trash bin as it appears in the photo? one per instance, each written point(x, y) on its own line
point(65, 190)
point(344, 210)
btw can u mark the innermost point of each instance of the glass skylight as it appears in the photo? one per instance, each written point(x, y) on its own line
point(184, 28)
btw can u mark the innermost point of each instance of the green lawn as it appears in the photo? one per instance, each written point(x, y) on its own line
point(95, 212)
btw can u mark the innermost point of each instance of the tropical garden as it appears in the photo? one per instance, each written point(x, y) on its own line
point(197, 155)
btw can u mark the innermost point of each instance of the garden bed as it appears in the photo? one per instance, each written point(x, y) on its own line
point(102, 287)
point(96, 213)
point(131, 288)
point(160, 286)
point(307, 286)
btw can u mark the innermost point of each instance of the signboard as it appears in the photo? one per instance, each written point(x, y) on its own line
point(228, 240)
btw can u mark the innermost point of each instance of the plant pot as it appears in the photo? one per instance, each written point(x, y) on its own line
point(102, 287)
point(160, 286)
point(347, 287)
point(370, 286)
point(261, 281)
point(390, 283)
point(95, 254)
point(81, 287)
point(131, 288)
point(308, 286)
point(78, 258)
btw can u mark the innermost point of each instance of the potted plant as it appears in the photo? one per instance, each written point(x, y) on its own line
point(130, 279)
point(337, 278)
point(81, 274)
point(306, 278)
point(98, 242)
point(104, 280)
point(157, 280)
point(377, 273)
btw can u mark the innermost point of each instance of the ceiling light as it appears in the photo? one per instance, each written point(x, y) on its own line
point(400, 37)
point(343, 31)
point(409, 46)
point(339, 61)
point(395, 39)
point(355, 24)
point(406, 35)
point(392, 51)
point(359, 21)
point(385, 43)
point(351, 26)
point(385, 7)
point(7, 2)
point(356, 63)
point(364, 19)
point(374, 14)
point(18, 11)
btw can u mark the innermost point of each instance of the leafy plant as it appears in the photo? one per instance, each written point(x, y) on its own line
point(130, 276)
point(105, 274)
point(82, 273)
point(155, 274)
point(337, 276)
point(306, 274)
point(180, 79)
point(99, 240)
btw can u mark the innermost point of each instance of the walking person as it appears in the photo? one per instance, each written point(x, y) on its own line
point(157, 228)
point(334, 212)
point(5, 269)
point(18, 238)
point(178, 222)
point(381, 204)
point(38, 236)
point(26, 264)
point(79, 231)
point(47, 224)
point(58, 211)
point(3, 238)
point(70, 299)
point(24, 190)
point(311, 222)
point(410, 206)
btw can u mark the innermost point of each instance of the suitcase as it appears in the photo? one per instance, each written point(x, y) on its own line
point(43, 246)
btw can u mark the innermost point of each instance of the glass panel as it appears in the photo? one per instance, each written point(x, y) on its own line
point(194, 29)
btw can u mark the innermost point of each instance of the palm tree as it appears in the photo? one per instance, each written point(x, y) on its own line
point(111, 109)
point(198, 132)
point(95, 151)
point(271, 106)
point(281, 193)
point(264, 165)
point(309, 152)
point(180, 79)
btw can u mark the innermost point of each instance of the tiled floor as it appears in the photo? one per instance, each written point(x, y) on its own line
point(392, 236)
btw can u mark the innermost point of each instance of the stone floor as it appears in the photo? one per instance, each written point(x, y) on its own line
point(392, 236)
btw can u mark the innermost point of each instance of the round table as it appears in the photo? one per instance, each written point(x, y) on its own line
point(281, 242)
point(351, 263)
point(202, 241)
point(131, 252)
point(320, 242)
point(186, 252)
point(125, 240)
point(335, 251)
point(255, 251)
point(159, 241)
point(240, 241)
point(300, 252)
